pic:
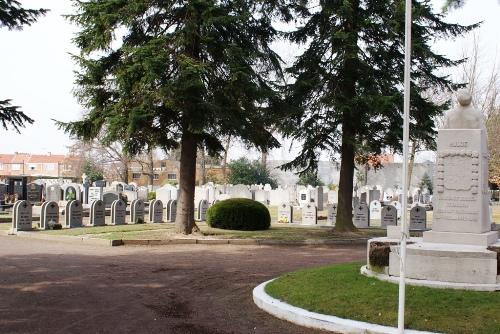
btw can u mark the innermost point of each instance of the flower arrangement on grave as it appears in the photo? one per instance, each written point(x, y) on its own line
point(283, 219)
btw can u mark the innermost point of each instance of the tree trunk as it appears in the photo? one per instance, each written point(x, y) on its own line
point(263, 159)
point(184, 222)
point(411, 164)
point(124, 174)
point(151, 171)
point(203, 166)
point(344, 209)
point(349, 122)
point(224, 161)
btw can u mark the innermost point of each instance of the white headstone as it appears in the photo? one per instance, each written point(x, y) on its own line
point(95, 193)
point(375, 210)
point(309, 215)
point(333, 196)
point(285, 213)
point(332, 213)
point(278, 196)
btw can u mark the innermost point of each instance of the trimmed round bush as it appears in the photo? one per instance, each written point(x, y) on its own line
point(239, 214)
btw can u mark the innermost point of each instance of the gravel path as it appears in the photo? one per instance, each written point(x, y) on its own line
point(50, 287)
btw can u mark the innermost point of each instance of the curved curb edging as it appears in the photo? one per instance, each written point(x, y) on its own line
point(430, 284)
point(309, 319)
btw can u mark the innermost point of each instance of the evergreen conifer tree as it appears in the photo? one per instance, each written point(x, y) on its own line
point(13, 16)
point(348, 93)
point(177, 73)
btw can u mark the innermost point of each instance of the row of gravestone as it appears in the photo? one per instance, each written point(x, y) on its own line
point(361, 215)
point(37, 192)
point(49, 215)
point(389, 216)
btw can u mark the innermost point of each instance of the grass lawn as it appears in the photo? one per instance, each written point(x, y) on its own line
point(166, 231)
point(342, 291)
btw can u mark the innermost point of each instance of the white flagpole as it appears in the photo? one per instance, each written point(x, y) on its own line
point(406, 139)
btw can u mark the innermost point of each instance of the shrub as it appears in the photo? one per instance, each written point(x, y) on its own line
point(239, 214)
point(151, 195)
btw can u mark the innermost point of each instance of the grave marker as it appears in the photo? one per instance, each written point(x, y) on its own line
point(73, 214)
point(418, 218)
point(361, 217)
point(332, 213)
point(285, 213)
point(389, 216)
point(34, 193)
point(53, 193)
point(49, 216)
point(156, 211)
point(309, 215)
point(22, 216)
point(171, 211)
point(95, 194)
point(118, 212)
point(97, 213)
point(201, 212)
point(137, 212)
point(375, 210)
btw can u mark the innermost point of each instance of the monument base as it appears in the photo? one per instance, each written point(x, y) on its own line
point(447, 263)
point(473, 239)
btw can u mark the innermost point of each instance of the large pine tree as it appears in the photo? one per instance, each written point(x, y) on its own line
point(13, 16)
point(348, 89)
point(177, 73)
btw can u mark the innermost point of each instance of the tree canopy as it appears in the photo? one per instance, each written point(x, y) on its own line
point(13, 16)
point(177, 74)
point(244, 171)
point(348, 95)
point(310, 178)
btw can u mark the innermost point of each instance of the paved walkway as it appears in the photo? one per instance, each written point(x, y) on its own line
point(50, 287)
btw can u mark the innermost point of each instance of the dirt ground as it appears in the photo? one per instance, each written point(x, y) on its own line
point(50, 287)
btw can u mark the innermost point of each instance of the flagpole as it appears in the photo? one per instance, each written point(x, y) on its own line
point(406, 139)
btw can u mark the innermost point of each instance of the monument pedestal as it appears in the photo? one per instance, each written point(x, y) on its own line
point(473, 239)
point(447, 263)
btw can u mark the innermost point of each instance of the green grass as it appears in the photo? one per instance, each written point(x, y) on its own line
point(166, 231)
point(342, 291)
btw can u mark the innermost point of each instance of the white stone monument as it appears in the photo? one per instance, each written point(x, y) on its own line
point(460, 251)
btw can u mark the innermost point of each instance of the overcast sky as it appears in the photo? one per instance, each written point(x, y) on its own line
point(36, 71)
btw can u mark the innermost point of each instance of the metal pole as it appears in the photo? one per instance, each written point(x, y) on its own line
point(406, 139)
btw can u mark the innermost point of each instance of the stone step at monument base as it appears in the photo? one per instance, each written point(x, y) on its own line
point(447, 263)
point(473, 239)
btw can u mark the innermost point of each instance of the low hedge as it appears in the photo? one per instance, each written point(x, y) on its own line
point(239, 214)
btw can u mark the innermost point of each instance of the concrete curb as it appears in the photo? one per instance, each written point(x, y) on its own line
point(309, 319)
point(256, 242)
point(186, 241)
point(430, 284)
